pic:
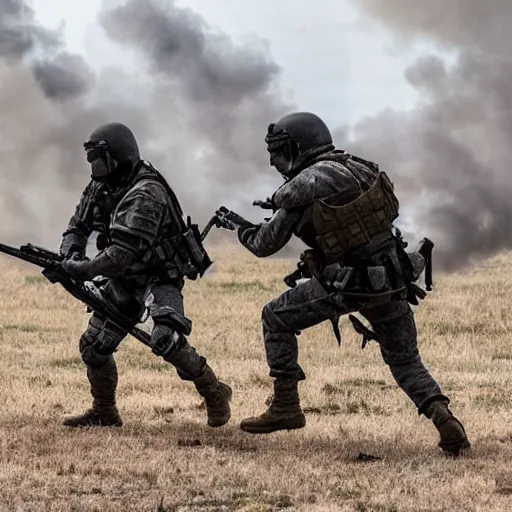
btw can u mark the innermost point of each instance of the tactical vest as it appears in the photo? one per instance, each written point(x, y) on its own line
point(178, 251)
point(342, 228)
point(180, 243)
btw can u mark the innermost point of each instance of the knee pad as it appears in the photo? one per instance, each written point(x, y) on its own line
point(168, 316)
point(100, 341)
point(169, 331)
point(165, 340)
point(90, 356)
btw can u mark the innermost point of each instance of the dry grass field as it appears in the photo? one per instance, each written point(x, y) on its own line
point(165, 458)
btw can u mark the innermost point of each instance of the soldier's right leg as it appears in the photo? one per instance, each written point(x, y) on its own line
point(301, 307)
point(101, 372)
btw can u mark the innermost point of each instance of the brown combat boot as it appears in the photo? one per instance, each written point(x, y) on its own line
point(453, 436)
point(104, 412)
point(216, 395)
point(284, 412)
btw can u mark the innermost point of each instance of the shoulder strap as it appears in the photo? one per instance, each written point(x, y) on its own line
point(175, 206)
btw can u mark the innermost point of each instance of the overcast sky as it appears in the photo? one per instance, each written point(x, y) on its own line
point(334, 61)
point(200, 106)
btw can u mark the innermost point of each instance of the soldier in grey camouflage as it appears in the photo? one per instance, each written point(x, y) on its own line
point(343, 208)
point(145, 254)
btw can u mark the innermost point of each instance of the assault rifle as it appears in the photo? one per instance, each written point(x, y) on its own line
point(87, 292)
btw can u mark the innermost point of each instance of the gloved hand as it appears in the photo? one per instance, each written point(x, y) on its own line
point(76, 256)
point(79, 269)
point(68, 253)
point(230, 220)
point(267, 204)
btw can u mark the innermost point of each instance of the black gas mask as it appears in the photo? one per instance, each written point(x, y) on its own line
point(102, 163)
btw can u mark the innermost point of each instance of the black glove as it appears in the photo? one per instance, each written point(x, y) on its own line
point(79, 270)
point(230, 220)
point(75, 256)
point(267, 204)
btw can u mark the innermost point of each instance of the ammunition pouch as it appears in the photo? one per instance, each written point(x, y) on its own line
point(185, 252)
point(342, 228)
point(194, 247)
point(378, 279)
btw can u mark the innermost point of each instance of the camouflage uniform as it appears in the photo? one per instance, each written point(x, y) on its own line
point(135, 219)
point(342, 207)
point(309, 303)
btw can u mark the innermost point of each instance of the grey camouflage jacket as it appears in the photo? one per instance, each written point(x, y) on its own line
point(138, 214)
point(331, 175)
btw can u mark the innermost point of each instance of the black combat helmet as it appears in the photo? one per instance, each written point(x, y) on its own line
point(301, 136)
point(121, 141)
point(110, 146)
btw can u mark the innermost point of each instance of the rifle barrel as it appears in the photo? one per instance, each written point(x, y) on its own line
point(29, 258)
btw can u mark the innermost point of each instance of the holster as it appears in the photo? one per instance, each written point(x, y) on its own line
point(420, 260)
point(314, 262)
point(184, 252)
point(308, 266)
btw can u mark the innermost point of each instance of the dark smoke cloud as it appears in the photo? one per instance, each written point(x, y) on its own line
point(41, 87)
point(48, 106)
point(60, 75)
point(225, 94)
point(451, 157)
point(64, 77)
point(20, 34)
point(198, 105)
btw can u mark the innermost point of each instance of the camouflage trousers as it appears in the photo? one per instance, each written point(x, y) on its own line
point(308, 304)
point(102, 338)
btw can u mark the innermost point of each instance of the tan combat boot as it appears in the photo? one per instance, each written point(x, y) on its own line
point(453, 436)
point(216, 395)
point(284, 413)
point(104, 412)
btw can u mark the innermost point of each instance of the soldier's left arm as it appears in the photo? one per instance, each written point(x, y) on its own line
point(134, 228)
point(268, 238)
